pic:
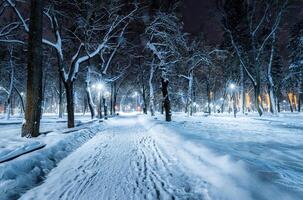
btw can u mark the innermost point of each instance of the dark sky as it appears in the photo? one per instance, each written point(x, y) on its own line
point(202, 16)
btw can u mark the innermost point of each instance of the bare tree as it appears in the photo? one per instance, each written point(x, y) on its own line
point(261, 17)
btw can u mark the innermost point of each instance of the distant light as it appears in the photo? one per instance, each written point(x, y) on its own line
point(221, 99)
point(100, 86)
point(135, 94)
point(232, 86)
point(21, 93)
point(107, 94)
point(94, 86)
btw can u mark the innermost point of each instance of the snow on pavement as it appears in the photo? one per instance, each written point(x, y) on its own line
point(139, 158)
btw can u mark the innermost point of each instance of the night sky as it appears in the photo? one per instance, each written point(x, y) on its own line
point(203, 16)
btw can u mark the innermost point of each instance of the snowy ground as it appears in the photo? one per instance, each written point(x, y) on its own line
point(20, 172)
point(10, 131)
point(216, 157)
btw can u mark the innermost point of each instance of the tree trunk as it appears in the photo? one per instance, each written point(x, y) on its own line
point(21, 99)
point(271, 84)
point(144, 99)
point(234, 104)
point(208, 98)
point(258, 103)
point(242, 98)
point(10, 90)
point(151, 92)
point(90, 102)
point(69, 90)
point(104, 107)
point(300, 100)
point(111, 98)
point(290, 103)
point(31, 125)
point(100, 106)
point(43, 108)
point(166, 101)
point(278, 105)
point(189, 101)
point(114, 98)
point(61, 109)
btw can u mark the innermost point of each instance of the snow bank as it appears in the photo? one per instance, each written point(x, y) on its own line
point(209, 149)
point(25, 172)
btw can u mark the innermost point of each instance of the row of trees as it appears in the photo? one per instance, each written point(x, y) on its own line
point(141, 47)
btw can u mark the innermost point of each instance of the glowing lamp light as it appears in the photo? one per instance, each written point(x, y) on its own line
point(100, 86)
point(232, 86)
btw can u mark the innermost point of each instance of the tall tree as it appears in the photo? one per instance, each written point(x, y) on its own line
point(263, 21)
point(31, 125)
point(296, 57)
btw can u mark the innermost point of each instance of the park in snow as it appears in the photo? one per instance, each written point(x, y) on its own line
point(133, 156)
point(151, 100)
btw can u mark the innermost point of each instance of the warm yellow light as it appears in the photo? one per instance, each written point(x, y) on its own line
point(295, 100)
point(260, 99)
point(290, 97)
point(247, 98)
point(267, 100)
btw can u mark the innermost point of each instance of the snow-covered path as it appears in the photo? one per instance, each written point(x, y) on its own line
point(138, 158)
point(123, 162)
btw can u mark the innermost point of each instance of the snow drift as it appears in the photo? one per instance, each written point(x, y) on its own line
point(27, 171)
